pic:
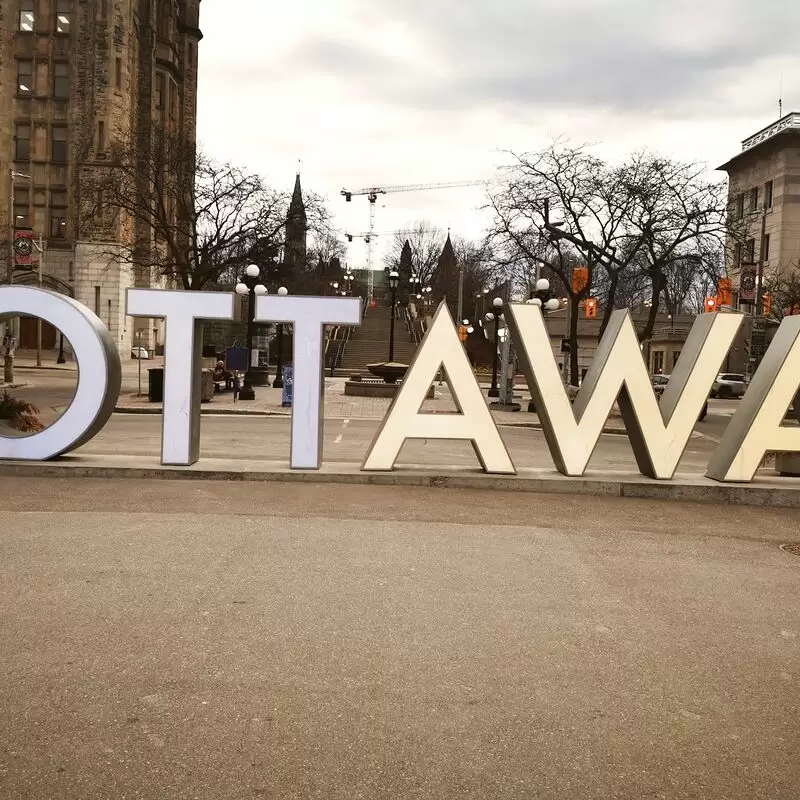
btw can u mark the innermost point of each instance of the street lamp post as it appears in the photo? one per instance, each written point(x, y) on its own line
point(495, 315)
point(394, 279)
point(543, 297)
point(249, 285)
point(278, 382)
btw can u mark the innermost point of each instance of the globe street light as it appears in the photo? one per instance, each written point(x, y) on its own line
point(394, 280)
point(544, 298)
point(278, 382)
point(495, 315)
point(249, 286)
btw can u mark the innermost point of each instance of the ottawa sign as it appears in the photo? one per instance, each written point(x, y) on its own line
point(658, 431)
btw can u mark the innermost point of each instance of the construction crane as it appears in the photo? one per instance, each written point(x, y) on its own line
point(372, 195)
point(366, 235)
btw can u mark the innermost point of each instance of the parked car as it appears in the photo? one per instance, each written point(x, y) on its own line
point(728, 384)
point(140, 352)
point(659, 383)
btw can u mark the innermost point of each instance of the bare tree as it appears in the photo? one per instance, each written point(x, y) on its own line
point(188, 219)
point(676, 221)
point(425, 242)
point(648, 229)
point(784, 291)
point(570, 185)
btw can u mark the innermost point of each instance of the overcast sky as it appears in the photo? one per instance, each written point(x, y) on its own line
point(383, 92)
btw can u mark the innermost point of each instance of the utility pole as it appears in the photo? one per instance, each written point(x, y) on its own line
point(9, 342)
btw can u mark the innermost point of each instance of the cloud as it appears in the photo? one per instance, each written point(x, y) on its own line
point(625, 56)
point(417, 91)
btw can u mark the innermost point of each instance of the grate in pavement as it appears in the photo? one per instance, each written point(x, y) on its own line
point(794, 549)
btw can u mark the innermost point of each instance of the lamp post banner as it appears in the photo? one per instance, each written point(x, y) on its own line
point(658, 431)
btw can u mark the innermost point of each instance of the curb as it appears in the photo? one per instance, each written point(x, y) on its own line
point(686, 489)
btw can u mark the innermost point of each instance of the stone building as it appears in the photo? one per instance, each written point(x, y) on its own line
point(765, 196)
point(78, 77)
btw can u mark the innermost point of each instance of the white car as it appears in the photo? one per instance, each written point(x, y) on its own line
point(140, 353)
point(728, 384)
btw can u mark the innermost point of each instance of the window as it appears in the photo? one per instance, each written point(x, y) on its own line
point(676, 354)
point(754, 199)
point(173, 100)
point(39, 220)
point(658, 361)
point(739, 206)
point(58, 224)
point(765, 247)
point(22, 143)
point(768, 194)
point(24, 78)
point(97, 300)
point(737, 254)
point(61, 81)
point(58, 152)
point(63, 15)
point(101, 136)
point(22, 207)
point(160, 90)
point(26, 16)
point(749, 251)
point(118, 73)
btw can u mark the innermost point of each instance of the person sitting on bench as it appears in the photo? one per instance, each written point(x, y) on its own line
point(222, 377)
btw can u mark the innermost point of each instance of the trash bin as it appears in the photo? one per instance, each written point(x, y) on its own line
point(288, 385)
point(155, 385)
point(207, 385)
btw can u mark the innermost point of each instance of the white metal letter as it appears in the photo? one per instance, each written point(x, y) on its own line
point(658, 432)
point(99, 372)
point(183, 313)
point(756, 426)
point(309, 316)
point(440, 348)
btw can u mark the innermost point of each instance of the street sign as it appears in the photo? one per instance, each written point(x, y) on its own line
point(759, 323)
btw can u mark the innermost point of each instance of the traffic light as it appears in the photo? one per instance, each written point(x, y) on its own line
point(724, 292)
point(710, 304)
point(580, 277)
point(766, 304)
point(591, 308)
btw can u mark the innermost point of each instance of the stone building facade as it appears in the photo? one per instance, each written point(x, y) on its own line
point(78, 77)
point(764, 190)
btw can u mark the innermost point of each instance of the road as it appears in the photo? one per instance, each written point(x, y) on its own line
point(212, 640)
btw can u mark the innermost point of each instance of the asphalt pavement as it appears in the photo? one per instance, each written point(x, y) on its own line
point(212, 640)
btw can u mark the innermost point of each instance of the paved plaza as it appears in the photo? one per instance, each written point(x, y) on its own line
point(215, 640)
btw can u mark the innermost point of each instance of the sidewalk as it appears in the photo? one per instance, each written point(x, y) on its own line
point(340, 406)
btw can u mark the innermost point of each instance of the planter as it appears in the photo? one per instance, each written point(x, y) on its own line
point(390, 371)
point(788, 464)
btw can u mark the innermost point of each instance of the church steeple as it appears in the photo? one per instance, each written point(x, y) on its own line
point(297, 209)
point(296, 229)
point(447, 261)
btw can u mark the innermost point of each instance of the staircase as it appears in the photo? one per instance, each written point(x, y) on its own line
point(369, 343)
